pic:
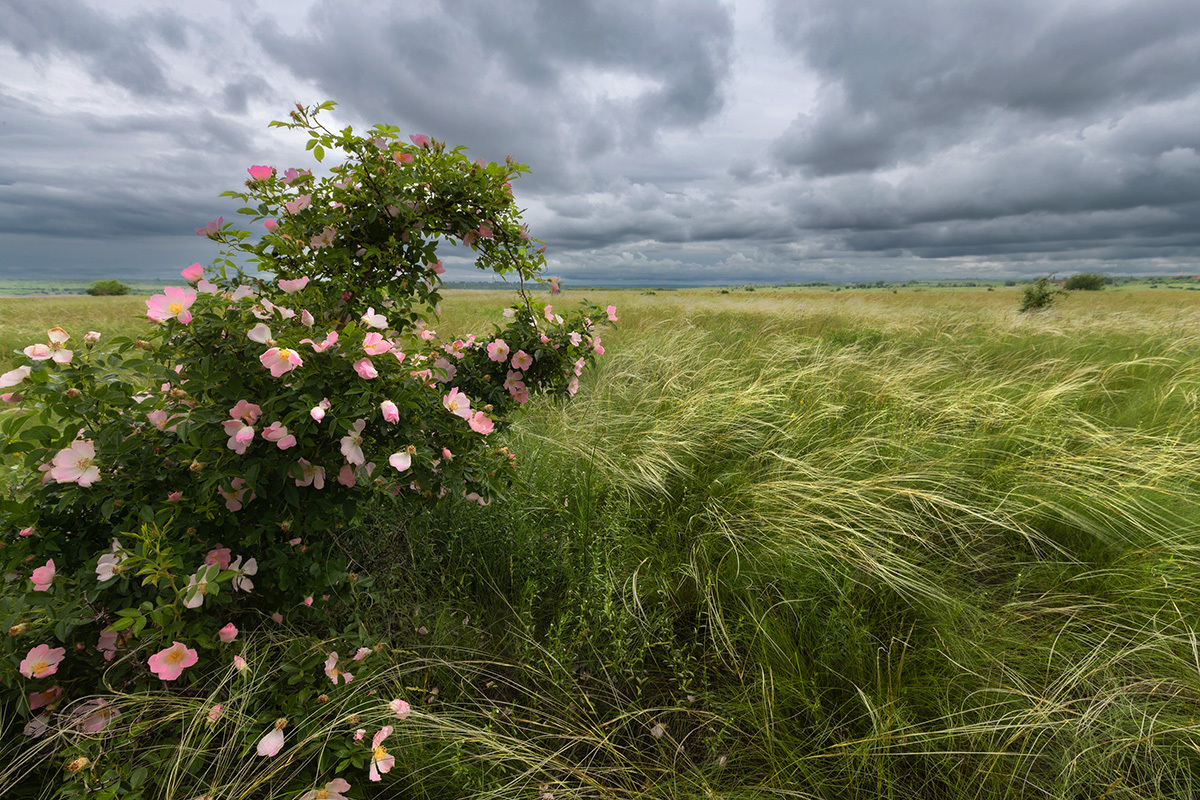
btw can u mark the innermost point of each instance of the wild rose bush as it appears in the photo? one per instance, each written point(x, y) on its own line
point(182, 491)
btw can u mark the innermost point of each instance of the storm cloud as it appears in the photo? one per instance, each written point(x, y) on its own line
point(670, 141)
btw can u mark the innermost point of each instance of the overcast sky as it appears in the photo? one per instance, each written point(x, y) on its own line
point(670, 141)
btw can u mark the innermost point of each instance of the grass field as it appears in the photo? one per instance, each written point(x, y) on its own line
point(806, 543)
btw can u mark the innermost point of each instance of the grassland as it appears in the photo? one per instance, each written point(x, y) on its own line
point(805, 543)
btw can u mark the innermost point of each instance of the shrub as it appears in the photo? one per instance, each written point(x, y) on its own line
point(183, 493)
point(1039, 295)
point(1086, 281)
point(107, 288)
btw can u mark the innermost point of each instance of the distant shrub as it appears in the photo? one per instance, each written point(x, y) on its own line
point(749, 288)
point(1039, 295)
point(1010, 283)
point(1087, 281)
point(107, 288)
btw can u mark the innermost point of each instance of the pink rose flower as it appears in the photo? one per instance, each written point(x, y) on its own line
point(391, 413)
point(173, 303)
point(43, 576)
point(228, 633)
point(193, 273)
point(480, 423)
point(498, 350)
point(42, 661)
point(169, 663)
point(293, 286)
point(75, 464)
point(365, 369)
point(260, 173)
point(280, 360)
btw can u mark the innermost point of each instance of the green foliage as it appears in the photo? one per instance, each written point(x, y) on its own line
point(1086, 281)
point(1039, 295)
point(107, 288)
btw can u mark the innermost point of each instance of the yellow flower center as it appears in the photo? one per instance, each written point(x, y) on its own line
point(83, 463)
point(380, 753)
point(322, 794)
point(175, 308)
point(284, 353)
point(174, 657)
point(38, 668)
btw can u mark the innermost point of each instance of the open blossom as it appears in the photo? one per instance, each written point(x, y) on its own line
point(554, 286)
point(173, 303)
point(280, 360)
point(109, 564)
point(211, 229)
point(352, 443)
point(480, 423)
point(293, 286)
point(193, 273)
point(457, 403)
point(278, 434)
point(375, 345)
point(240, 435)
point(233, 496)
point(310, 475)
point(106, 643)
point(400, 708)
point(241, 582)
point(333, 673)
point(197, 586)
point(299, 204)
point(94, 716)
point(55, 350)
point(259, 333)
point(76, 464)
point(169, 663)
point(317, 412)
point(373, 320)
point(260, 173)
point(323, 239)
point(329, 341)
point(498, 350)
point(401, 460)
point(43, 576)
point(14, 376)
point(332, 791)
point(272, 743)
point(365, 369)
point(381, 761)
point(44, 698)
point(612, 313)
point(420, 140)
point(42, 661)
point(522, 360)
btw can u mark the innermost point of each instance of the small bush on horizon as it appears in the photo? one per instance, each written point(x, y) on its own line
point(1039, 295)
point(1086, 281)
point(107, 288)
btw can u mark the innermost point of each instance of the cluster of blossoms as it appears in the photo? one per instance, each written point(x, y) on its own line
point(255, 417)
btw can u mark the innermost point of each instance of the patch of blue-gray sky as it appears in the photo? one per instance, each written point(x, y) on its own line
point(670, 141)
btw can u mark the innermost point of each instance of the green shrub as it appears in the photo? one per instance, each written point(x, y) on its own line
point(1039, 295)
point(1087, 281)
point(108, 288)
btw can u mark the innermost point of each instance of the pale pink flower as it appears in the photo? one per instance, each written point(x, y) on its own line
point(197, 586)
point(91, 337)
point(193, 273)
point(596, 346)
point(401, 460)
point(521, 395)
point(575, 338)
point(280, 360)
point(306, 319)
point(400, 708)
point(346, 476)
point(402, 158)
point(271, 225)
point(241, 582)
point(75, 464)
point(42, 661)
point(169, 663)
point(241, 293)
point(554, 286)
point(512, 381)
point(218, 557)
point(25, 531)
point(44, 698)
point(362, 653)
point(420, 140)
point(323, 239)
point(573, 386)
point(271, 744)
point(317, 413)
point(498, 350)
point(332, 791)
point(240, 435)
point(579, 366)
point(233, 497)
point(381, 761)
point(214, 713)
point(240, 664)
point(94, 716)
point(277, 617)
point(375, 344)
point(333, 673)
point(260, 173)
point(259, 333)
point(365, 369)
point(207, 287)
point(212, 228)
point(293, 286)
point(228, 633)
point(43, 576)
point(480, 423)
point(109, 564)
point(329, 341)
point(106, 643)
point(55, 350)
point(436, 266)
point(522, 360)
point(311, 475)
point(308, 601)
point(359, 734)
point(174, 497)
point(373, 320)
point(275, 432)
point(173, 303)
point(299, 204)
point(391, 413)
point(612, 313)
point(549, 313)
point(457, 403)
point(352, 443)
point(14, 376)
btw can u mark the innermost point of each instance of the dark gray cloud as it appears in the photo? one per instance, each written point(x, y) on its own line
point(671, 141)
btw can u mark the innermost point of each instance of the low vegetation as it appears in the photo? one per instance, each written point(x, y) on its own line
point(797, 543)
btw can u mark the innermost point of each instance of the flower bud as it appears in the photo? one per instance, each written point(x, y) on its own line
point(91, 337)
point(191, 530)
point(196, 466)
point(488, 408)
point(411, 449)
point(141, 344)
point(281, 723)
point(178, 394)
point(353, 719)
point(72, 393)
point(286, 526)
point(322, 699)
point(18, 629)
point(78, 763)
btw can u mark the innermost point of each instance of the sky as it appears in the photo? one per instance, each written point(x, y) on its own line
point(670, 142)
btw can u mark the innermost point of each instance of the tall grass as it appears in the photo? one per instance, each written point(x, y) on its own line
point(811, 544)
